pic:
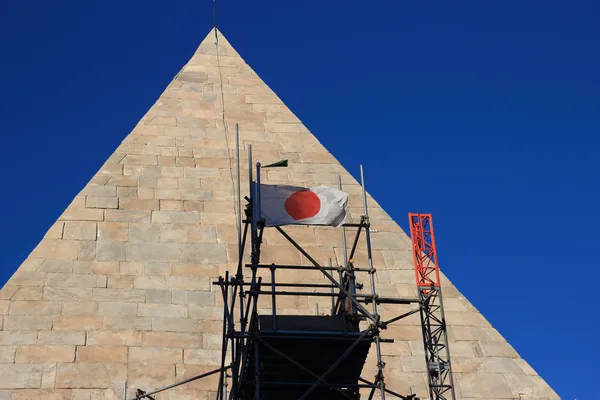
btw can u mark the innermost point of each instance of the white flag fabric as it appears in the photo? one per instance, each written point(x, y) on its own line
point(292, 205)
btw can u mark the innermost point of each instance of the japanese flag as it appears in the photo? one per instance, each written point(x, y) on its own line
point(287, 205)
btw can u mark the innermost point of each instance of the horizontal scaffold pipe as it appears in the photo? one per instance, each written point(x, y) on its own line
point(362, 298)
point(303, 267)
point(300, 285)
point(338, 385)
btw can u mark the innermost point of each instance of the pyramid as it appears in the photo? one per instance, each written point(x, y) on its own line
point(119, 289)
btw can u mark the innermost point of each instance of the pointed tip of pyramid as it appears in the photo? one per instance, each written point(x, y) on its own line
point(215, 36)
point(211, 36)
point(213, 33)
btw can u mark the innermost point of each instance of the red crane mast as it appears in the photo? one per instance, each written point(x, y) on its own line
point(433, 322)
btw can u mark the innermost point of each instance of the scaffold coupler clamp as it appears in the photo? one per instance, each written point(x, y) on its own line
point(374, 327)
point(379, 377)
point(364, 220)
point(141, 394)
point(378, 323)
point(383, 325)
point(254, 257)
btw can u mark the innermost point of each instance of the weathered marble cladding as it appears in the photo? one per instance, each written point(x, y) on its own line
point(119, 289)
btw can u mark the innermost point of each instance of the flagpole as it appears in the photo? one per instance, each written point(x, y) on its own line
point(239, 190)
point(252, 200)
point(258, 217)
point(344, 245)
point(250, 170)
point(332, 294)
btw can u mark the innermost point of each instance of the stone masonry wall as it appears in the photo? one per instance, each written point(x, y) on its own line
point(120, 289)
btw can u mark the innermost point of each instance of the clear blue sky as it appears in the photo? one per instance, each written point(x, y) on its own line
point(485, 114)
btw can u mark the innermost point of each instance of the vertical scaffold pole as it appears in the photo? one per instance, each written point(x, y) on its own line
point(235, 351)
point(344, 245)
point(372, 279)
point(273, 298)
point(250, 186)
point(256, 216)
point(257, 203)
point(239, 190)
point(252, 205)
point(433, 322)
point(351, 278)
point(330, 265)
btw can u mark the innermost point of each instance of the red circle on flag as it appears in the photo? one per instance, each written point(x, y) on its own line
point(303, 204)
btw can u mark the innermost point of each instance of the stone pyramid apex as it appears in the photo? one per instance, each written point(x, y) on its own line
point(212, 37)
point(209, 44)
point(119, 290)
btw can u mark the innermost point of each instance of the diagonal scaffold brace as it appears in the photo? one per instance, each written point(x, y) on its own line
point(144, 395)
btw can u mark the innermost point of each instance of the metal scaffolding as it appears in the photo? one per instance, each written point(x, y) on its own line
point(278, 356)
point(270, 355)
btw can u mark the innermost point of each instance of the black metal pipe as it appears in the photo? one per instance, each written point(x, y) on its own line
point(256, 372)
point(302, 267)
point(234, 359)
point(252, 202)
point(306, 335)
point(332, 292)
point(273, 301)
point(355, 243)
point(240, 286)
point(366, 298)
point(254, 327)
point(259, 232)
point(286, 293)
point(240, 278)
point(300, 285)
point(372, 393)
point(401, 316)
point(338, 385)
point(244, 350)
point(360, 297)
point(389, 391)
point(352, 225)
point(226, 319)
point(195, 378)
point(338, 301)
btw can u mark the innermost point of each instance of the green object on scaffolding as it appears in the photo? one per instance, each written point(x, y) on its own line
point(281, 163)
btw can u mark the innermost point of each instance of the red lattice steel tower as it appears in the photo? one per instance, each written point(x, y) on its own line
point(433, 323)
